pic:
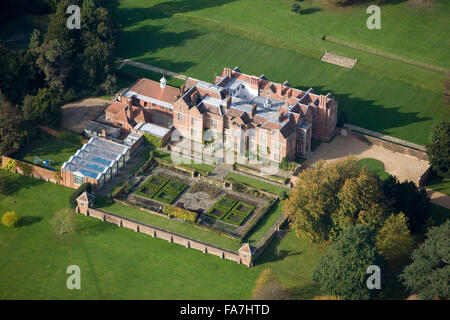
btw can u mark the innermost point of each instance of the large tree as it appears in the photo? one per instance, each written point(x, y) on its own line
point(408, 198)
point(11, 134)
point(438, 149)
point(79, 61)
point(267, 287)
point(394, 241)
point(342, 271)
point(429, 273)
point(44, 108)
point(360, 201)
point(314, 199)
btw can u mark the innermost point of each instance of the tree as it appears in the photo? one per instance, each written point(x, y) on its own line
point(394, 241)
point(45, 107)
point(408, 198)
point(64, 221)
point(10, 219)
point(438, 149)
point(295, 7)
point(35, 39)
point(360, 201)
point(313, 199)
point(429, 272)
point(342, 270)
point(267, 287)
point(10, 165)
point(11, 134)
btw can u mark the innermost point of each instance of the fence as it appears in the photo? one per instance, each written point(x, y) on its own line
point(163, 234)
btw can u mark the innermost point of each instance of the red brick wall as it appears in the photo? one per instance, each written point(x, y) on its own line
point(37, 172)
point(166, 235)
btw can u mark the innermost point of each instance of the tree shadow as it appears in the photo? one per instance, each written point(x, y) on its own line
point(310, 10)
point(17, 182)
point(28, 220)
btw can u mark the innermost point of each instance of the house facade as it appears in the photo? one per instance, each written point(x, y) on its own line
point(143, 101)
point(252, 114)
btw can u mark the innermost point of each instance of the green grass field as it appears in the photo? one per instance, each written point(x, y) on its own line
point(117, 263)
point(255, 183)
point(265, 223)
point(198, 38)
point(374, 165)
point(46, 148)
point(439, 184)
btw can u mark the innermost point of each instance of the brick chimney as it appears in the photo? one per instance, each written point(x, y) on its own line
point(322, 102)
point(228, 102)
point(129, 108)
point(253, 110)
point(104, 132)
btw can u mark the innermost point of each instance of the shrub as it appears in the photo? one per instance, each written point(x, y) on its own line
point(10, 219)
point(87, 186)
point(295, 7)
point(27, 169)
point(10, 165)
point(283, 195)
point(180, 213)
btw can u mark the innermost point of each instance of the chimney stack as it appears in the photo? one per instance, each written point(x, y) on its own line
point(130, 105)
point(253, 110)
point(104, 132)
point(228, 101)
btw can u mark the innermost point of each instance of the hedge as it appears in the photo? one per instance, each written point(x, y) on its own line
point(180, 213)
point(87, 186)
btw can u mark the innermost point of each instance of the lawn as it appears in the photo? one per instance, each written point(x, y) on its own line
point(181, 228)
point(376, 166)
point(198, 38)
point(255, 183)
point(116, 263)
point(264, 224)
point(439, 184)
point(203, 168)
point(44, 148)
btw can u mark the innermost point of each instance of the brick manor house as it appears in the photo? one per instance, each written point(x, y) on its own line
point(245, 112)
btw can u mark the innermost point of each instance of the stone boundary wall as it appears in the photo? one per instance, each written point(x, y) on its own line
point(163, 234)
point(37, 172)
point(386, 142)
point(262, 243)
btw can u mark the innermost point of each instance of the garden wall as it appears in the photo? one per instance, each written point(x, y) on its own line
point(37, 172)
point(163, 234)
point(384, 141)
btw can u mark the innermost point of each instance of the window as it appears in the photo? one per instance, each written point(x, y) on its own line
point(277, 146)
point(276, 157)
point(213, 123)
point(145, 104)
point(192, 132)
point(78, 179)
point(180, 116)
point(193, 121)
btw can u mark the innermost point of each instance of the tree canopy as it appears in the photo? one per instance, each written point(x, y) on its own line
point(429, 273)
point(329, 198)
point(438, 149)
point(342, 270)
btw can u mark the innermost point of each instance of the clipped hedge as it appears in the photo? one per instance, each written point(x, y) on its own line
point(180, 213)
point(87, 186)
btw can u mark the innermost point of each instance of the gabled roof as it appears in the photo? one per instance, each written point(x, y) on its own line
point(152, 89)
